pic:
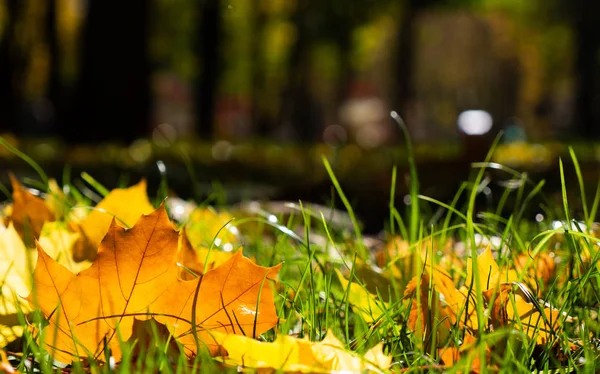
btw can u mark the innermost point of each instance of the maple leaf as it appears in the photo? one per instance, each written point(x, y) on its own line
point(10, 330)
point(363, 302)
point(498, 300)
point(126, 204)
point(16, 266)
point(29, 212)
point(450, 356)
point(205, 225)
point(428, 313)
point(507, 308)
point(541, 267)
point(235, 297)
point(16, 262)
point(291, 354)
point(490, 274)
point(135, 275)
point(59, 242)
point(195, 262)
point(539, 322)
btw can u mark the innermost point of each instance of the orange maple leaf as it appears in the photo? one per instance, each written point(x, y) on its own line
point(540, 269)
point(29, 212)
point(135, 275)
point(451, 356)
point(428, 314)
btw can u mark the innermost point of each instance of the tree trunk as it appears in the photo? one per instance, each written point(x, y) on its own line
point(587, 69)
point(54, 91)
point(403, 89)
point(260, 121)
point(344, 43)
point(301, 116)
point(113, 100)
point(208, 50)
point(10, 101)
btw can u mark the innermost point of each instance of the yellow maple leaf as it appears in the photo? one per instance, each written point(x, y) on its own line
point(291, 354)
point(59, 242)
point(363, 302)
point(204, 224)
point(490, 274)
point(541, 324)
point(16, 264)
point(126, 204)
point(16, 267)
point(507, 308)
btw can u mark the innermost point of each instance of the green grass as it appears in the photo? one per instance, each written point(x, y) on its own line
point(310, 300)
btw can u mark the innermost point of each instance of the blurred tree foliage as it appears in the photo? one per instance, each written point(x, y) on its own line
point(91, 70)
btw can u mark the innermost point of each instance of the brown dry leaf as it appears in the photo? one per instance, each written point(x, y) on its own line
point(136, 276)
point(56, 200)
point(290, 354)
point(126, 204)
point(29, 212)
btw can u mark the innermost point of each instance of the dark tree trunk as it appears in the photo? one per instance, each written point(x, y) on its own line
point(344, 43)
point(260, 121)
point(587, 68)
point(54, 91)
point(208, 51)
point(113, 99)
point(300, 117)
point(10, 98)
point(403, 89)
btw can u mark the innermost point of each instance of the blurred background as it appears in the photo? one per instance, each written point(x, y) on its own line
point(253, 92)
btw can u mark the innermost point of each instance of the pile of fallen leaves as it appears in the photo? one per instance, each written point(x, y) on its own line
point(114, 282)
point(99, 277)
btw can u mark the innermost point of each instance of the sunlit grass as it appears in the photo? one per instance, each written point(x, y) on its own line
point(311, 301)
